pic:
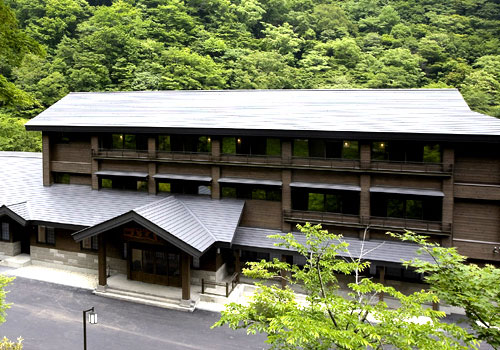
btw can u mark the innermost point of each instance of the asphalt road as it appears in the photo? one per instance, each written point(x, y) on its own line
point(49, 316)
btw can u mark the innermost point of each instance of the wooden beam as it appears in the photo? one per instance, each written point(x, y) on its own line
point(102, 260)
point(186, 276)
point(381, 271)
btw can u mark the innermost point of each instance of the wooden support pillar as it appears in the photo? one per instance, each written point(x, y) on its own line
point(151, 165)
point(215, 182)
point(448, 199)
point(381, 271)
point(365, 155)
point(102, 260)
point(286, 151)
point(283, 273)
point(94, 163)
point(364, 199)
point(286, 197)
point(47, 174)
point(237, 264)
point(216, 147)
point(186, 276)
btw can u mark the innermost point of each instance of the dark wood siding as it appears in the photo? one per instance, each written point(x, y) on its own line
point(263, 214)
point(478, 220)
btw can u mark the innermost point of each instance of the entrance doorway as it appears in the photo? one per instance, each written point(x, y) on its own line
point(155, 265)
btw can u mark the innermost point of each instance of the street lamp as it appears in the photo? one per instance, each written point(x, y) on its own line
point(92, 320)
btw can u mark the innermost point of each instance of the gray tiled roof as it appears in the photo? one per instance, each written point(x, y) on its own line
point(406, 190)
point(416, 111)
point(197, 221)
point(378, 250)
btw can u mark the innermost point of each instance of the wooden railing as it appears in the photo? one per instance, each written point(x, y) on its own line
point(278, 161)
point(235, 278)
point(385, 223)
point(411, 167)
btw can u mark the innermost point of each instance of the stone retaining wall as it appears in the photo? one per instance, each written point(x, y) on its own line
point(76, 259)
point(214, 276)
point(10, 248)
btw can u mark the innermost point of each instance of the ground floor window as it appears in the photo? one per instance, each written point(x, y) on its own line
point(406, 206)
point(345, 202)
point(5, 231)
point(46, 235)
point(268, 193)
point(62, 178)
point(124, 183)
point(90, 243)
point(185, 187)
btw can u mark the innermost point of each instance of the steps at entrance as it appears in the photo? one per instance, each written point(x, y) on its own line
point(17, 261)
point(147, 299)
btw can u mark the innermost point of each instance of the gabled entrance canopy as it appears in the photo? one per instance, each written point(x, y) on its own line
point(9, 211)
point(192, 224)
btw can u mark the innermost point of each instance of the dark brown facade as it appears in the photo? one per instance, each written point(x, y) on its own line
point(453, 195)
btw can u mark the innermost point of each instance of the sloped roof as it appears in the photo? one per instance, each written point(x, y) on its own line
point(370, 112)
point(378, 250)
point(175, 219)
point(198, 221)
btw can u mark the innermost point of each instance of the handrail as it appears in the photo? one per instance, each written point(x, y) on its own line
point(235, 278)
point(373, 221)
point(259, 159)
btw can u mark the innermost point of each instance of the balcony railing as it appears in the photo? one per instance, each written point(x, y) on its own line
point(384, 223)
point(412, 167)
point(321, 217)
point(278, 161)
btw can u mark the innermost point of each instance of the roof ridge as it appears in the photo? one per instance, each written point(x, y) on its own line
point(159, 201)
point(196, 218)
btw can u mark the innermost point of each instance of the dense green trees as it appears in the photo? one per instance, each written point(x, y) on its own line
point(105, 45)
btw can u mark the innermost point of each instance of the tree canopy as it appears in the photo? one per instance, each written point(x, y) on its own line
point(247, 44)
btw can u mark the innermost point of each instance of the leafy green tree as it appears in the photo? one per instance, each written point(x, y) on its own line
point(458, 283)
point(13, 137)
point(327, 319)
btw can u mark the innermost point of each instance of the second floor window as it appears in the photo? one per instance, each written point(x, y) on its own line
point(406, 152)
point(184, 143)
point(318, 148)
point(125, 142)
point(251, 145)
point(409, 207)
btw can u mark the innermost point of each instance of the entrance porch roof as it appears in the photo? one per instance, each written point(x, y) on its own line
point(191, 223)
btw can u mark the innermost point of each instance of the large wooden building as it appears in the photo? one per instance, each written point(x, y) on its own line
point(170, 187)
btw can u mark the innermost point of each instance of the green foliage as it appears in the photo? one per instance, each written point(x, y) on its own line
point(110, 45)
point(327, 318)
point(13, 137)
point(4, 282)
point(6, 344)
point(473, 288)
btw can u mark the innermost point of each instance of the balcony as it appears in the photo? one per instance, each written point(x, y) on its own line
point(334, 164)
point(374, 222)
point(411, 167)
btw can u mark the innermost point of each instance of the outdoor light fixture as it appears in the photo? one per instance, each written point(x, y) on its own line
point(239, 140)
point(92, 320)
point(209, 139)
point(382, 145)
point(346, 144)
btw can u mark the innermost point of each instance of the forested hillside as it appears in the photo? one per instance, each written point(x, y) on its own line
point(104, 45)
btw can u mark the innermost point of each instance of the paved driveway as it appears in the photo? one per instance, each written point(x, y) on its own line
point(49, 316)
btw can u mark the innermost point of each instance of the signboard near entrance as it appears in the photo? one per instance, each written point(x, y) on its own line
point(140, 234)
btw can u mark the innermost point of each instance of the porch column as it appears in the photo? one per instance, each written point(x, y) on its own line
point(237, 264)
point(381, 271)
point(283, 273)
point(102, 260)
point(186, 276)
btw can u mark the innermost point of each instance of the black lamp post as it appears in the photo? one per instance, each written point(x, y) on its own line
point(92, 320)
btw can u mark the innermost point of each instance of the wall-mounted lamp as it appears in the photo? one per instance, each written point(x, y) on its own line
point(496, 250)
point(238, 140)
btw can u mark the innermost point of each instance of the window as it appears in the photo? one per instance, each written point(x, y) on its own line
point(273, 147)
point(380, 151)
point(268, 193)
point(333, 201)
point(164, 187)
point(350, 150)
point(432, 154)
point(407, 206)
point(5, 231)
point(46, 235)
point(204, 144)
point(229, 145)
point(125, 141)
point(106, 183)
point(61, 138)
point(90, 243)
point(124, 183)
point(300, 148)
point(164, 143)
point(62, 178)
point(190, 143)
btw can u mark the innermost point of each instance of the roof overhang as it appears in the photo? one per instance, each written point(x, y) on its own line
point(404, 190)
point(4, 210)
point(242, 181)
point(325, 186)
point(121, 173)
point(132, 216)
point(187, 177)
